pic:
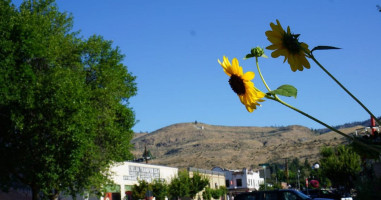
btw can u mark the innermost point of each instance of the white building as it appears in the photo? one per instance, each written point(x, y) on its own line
point(124, 175)
point(238, 181)
point(127, 174)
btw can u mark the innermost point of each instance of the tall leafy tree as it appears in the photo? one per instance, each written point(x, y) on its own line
point(64, 111)
point(139, 190)
point(340, 165)
point(185, 186)
point(179, 186)
point(197, 183)
point(159, 189)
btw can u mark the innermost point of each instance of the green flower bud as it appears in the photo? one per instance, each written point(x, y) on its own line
point(257, 52)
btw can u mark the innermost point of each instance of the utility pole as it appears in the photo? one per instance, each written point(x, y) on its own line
point(298, 179)
point(264, 165)
point(147, 154)
point(286, 171)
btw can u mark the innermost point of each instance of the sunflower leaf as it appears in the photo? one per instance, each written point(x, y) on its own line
point(285, 90)
point(248, 56)
point(324, 48)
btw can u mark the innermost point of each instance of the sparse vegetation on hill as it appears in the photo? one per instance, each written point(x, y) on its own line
point(206, 146)
point(364, 123)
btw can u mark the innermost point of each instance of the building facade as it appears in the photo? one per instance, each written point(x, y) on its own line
point(127, 174)
point(238, 181)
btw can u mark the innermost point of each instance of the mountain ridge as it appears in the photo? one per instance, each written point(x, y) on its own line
point(205, 146)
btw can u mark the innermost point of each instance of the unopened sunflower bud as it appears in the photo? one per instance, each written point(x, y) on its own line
point(257, 51)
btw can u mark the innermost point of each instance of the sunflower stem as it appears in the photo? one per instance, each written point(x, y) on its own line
point(324, 124)
point(345, 89)
point(260, 74)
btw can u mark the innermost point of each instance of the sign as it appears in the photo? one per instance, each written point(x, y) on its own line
point(142, 173)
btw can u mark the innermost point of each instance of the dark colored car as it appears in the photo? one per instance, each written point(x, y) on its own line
point(317, 193)
point(273, 195)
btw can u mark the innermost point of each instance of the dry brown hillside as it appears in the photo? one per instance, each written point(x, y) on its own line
point(205, 146)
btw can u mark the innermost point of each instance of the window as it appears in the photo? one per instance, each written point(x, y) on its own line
point(289, 196)
point(239, 182)
point(271, 196)
point(247, 196)
point(227, 182)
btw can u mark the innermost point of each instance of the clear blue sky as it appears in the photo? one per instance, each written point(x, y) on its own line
point(173, 46)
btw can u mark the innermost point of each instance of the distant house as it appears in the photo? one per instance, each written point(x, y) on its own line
point(238, 181)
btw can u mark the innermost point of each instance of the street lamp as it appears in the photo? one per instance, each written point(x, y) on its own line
point(316, 167)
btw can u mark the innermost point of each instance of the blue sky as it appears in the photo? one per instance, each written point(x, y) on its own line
point(172, 47)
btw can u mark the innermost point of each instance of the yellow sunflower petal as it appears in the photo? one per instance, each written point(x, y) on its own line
point(275, 40)
point(305, 62)
point(278, 52)
point(273, 34)
point(227, 69)
point(249, 109)
point(292, 63)
point(248, 76)
point(226, 60)
point(235, 67)
point(305, 46)
point(296, 57)
point(251, 96)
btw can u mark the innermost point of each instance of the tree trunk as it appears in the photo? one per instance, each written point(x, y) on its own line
point(35, 192)
point(54, 195)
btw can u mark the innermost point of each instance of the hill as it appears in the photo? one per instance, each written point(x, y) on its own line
point(206, 146)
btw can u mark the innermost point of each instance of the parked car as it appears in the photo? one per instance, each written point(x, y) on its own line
point(321, 193)
point(275, 195)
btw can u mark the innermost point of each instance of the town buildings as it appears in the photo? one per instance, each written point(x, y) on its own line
point(127, 174)
point(238, 181)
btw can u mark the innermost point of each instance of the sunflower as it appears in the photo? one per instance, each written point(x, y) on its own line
point(241, 84)
point(287, 45)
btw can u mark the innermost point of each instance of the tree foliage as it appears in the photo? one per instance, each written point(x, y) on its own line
point(216, 193)
point(63, 102)
point(159, 189)
point(139, 190)
point(340, 165)
point(185, 186)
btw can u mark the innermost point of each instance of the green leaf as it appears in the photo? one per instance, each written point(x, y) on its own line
point(248, 56)
point(324, 48)
point(285, 90)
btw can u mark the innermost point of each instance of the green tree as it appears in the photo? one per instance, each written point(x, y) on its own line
point(340, 165)
point(179, 186)
point(218, 192)
point(197, 184)
point(63, 103)
point(139, 190)
point(160, 189)
point(185, 186)
point(207, 193)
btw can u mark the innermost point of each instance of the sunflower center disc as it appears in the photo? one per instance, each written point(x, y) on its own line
point(291, 43)
point(237, 85)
